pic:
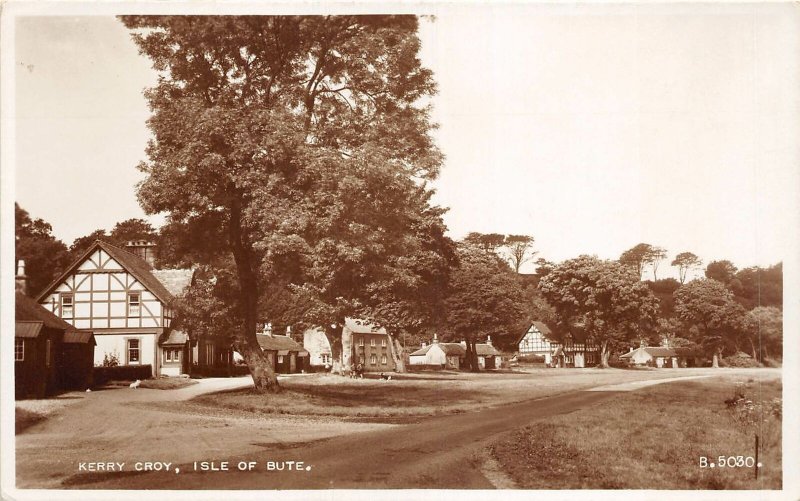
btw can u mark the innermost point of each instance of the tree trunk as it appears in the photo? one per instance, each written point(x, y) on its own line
point(604, 354)
point(334, 335)
point(396, 352)
point(261, 369)
point(472, 356)
point(715, 361)
point(753, 347)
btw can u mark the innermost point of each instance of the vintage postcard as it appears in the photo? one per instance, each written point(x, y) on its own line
point(419, 250)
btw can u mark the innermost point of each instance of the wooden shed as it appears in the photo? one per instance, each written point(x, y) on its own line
point(50, 355)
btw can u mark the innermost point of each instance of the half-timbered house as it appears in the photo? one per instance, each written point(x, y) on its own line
point(128, 304)
point(573, 349)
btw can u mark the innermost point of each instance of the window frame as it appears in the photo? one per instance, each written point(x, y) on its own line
point(71, 296)
point(384, 360)
point(361, 341)
point(138, 349)
point(19, 354)
point(373, 359)
point(131, 304)
point(372, 342)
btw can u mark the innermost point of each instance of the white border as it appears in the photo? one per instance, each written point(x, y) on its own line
point(13, 9)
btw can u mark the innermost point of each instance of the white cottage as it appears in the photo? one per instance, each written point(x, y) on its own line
point(126, 302)
point(537, 341)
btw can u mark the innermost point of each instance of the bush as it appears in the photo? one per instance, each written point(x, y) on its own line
point(234, 370)
point(739, 362)
point(111, 359)
point(103, 375)
point(531, 359)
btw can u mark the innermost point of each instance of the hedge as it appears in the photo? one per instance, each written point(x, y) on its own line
point(102, 375)
point(234, 370)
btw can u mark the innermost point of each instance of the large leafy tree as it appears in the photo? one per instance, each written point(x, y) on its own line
point(45, 256)
point(641, 255)
point(722, 271)
point(604, 297)
point(274, 136)
point(686, 261)
point(765, 333)
point(519, 249)
point(486, 298)
point(708, 310)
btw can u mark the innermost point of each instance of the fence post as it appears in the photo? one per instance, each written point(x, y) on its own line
point(756, 465)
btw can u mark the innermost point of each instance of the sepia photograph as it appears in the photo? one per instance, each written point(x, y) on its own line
point(425, 250)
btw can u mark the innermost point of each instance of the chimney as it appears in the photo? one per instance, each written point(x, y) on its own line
point(143, 249)
point(21, 280)
point(288, 331)
point(463, 344)
point(489, 340)
point(641, 343)
point(435, 339)
point(267, 329)
point(424, 344)
point(665, 342)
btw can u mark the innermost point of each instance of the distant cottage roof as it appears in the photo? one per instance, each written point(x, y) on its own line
point(279, 343)
point(457, 350)
point(485, 350)
point(174, 336)
point(164, 284)
point(653, 351)
point(541, 327)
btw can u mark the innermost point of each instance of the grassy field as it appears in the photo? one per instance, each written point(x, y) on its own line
point(24, 419)
point(653, 439)
point(417, 395)
point(167, 383)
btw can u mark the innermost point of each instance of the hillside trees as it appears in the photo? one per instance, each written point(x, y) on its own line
point(604, 297)
point(642, 255)
point(707, 308)
point(45, 256)
point(265, 130)
point(485, 298)
point(686, 261)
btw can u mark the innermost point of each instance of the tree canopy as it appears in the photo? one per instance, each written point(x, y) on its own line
point(686, 261)
point(301, 147)
point(605, 298)
point(45, 256)
point(641, 255)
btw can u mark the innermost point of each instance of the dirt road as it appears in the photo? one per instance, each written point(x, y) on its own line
point(436, 452)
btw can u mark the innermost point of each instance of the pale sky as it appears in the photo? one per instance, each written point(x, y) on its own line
point(590, 128)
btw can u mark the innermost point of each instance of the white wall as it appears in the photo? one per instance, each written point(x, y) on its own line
point(108, 343)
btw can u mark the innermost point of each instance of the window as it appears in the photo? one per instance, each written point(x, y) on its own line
point(134, 305)
point(373, 359)
point(326, 359)
point(133, 351)
point(383, 359)
point(209, 354)
point(383, 342)
point(361, 341)
point(361, 359)
point(19, 349)
point(280, 359)
point(172, 355)
point(372, 342)
point(67, 305)
point(47, 347)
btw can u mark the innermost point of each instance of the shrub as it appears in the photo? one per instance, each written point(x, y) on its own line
point(111, 359)
point(739, 362)
point(103, 375)
point(531, 359)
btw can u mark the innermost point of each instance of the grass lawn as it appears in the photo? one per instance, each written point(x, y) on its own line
point(417, 395)
point(653, 439)
point(167, 383)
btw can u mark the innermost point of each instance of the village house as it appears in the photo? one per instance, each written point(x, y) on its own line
point(654, 356)
point(50, 355)
point(453, 355)
point(285, 354)
point(371, 346)
point(319, 349)
point(576, 349)
point(119, 296)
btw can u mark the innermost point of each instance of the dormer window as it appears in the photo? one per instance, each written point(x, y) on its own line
point(67, 305)
point(134, 304)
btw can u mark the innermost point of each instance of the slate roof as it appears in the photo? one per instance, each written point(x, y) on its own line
point(79, 337)
point(27, 309)
point(278, 343)
point(175, 336)
point(362, 327)
point(175, 281)
point(422, 351)
point(164, 284)
point(27, 329)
